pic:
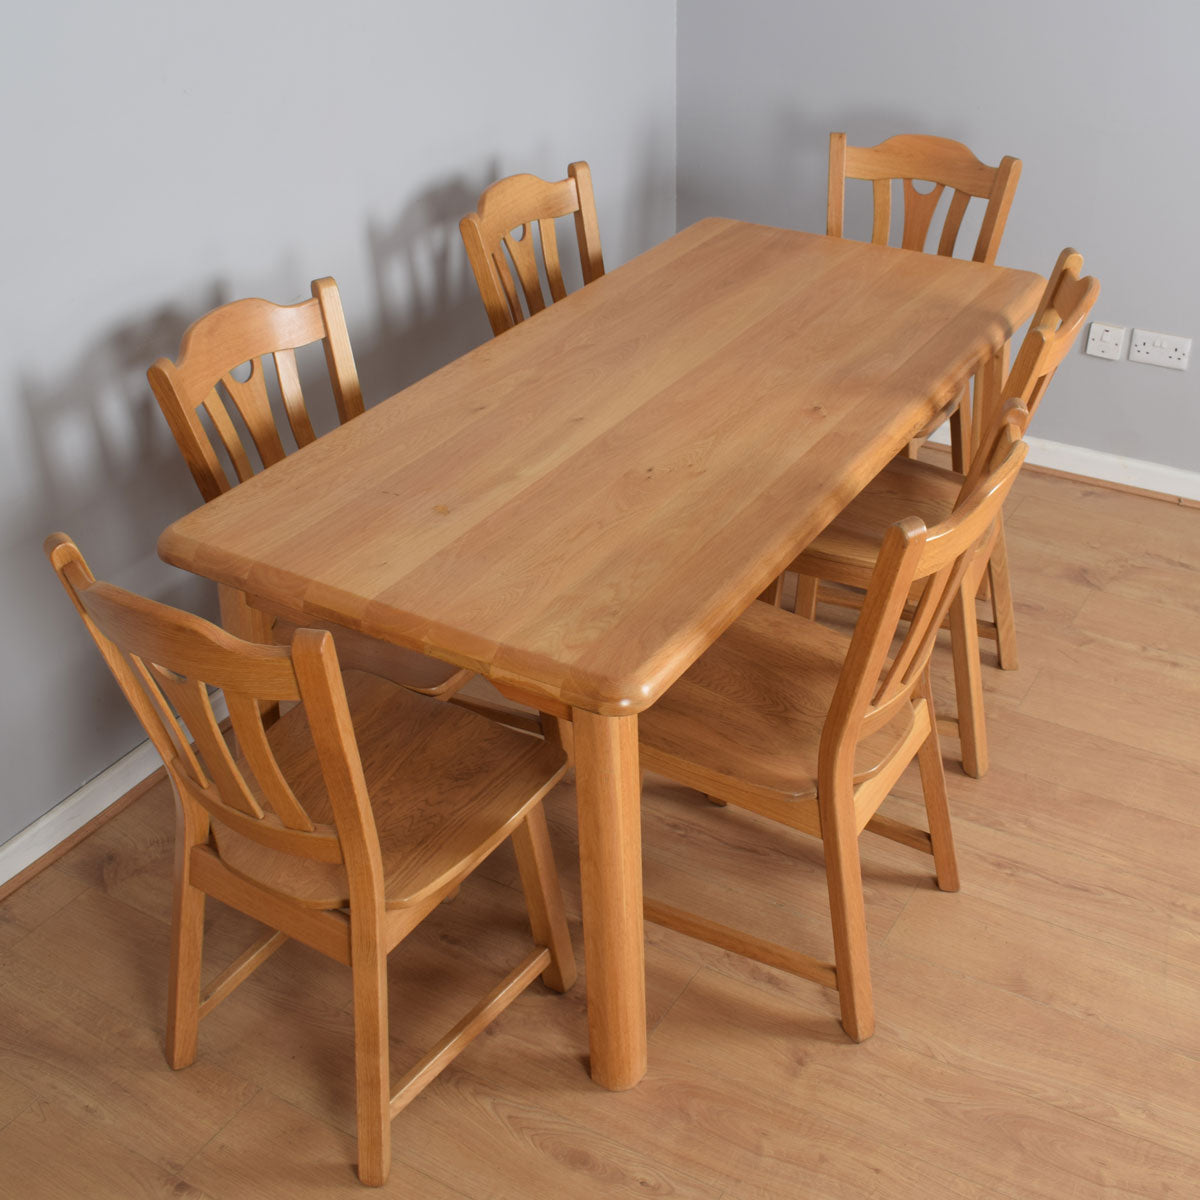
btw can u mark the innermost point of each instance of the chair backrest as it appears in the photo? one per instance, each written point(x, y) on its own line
point(244, 333)
point(1064, 307)
point(937, 161)
point(165, 661)
point(1060, 315)
point(500, 240)
point(872, 687)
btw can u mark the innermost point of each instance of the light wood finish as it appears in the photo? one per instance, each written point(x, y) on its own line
point(468, 1029)
point(610, 869)
point(908, 159)
point(799, 724)
point(1037, 1030)
point(845, 552)
point(578, 509)
point(917, 158)
point(737, 941)
point(202, 391)
point(633, 411)
point(501, 242)
point(245, 333)
point(342, 825)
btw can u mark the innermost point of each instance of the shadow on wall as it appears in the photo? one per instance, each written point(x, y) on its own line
point(427, 307)
point(103, 466)
point(104, 458)
point(106, 468)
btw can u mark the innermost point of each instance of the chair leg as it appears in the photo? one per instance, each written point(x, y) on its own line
point(960, 436)
point(543, 897)
point(843, 874)
point(1002, 602)
point(371, 1071)
point(937, 810)
point(773, 592)
point(806, 596)
point(251, 624)
point(968, 682)
point(559, 732)
point(187, 952)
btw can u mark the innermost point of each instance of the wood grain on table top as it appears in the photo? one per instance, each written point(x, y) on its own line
point(580, 506)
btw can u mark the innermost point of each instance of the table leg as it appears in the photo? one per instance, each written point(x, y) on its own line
point(989, 387)
point(250, 624)
point(238, 618)
point(608, 786)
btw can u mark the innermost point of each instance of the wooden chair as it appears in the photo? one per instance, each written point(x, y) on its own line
point(845, 553)
point(343, 825)
point(916, 158)
point(909, 159)
point(803, 725)
point(200, 392)
point(499, 238)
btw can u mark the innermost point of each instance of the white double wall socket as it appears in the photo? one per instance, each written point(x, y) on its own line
point(1160, 349)
point(1105, 341)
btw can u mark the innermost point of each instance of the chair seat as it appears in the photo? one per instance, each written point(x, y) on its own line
point(745, 720)
point(489, 777)
point(904, 488)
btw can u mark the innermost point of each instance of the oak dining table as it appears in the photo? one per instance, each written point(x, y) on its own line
point(578, 508)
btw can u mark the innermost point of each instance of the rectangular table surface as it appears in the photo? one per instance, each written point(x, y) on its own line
point(580, 506)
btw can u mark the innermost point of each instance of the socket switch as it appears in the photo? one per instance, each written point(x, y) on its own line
point(1105, 341)
point(1161, 349)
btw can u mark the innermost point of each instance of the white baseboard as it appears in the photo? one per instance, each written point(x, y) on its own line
point(1113, 468)
point(77, 810)
point(26, 847)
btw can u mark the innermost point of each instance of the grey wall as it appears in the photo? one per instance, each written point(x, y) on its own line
point(1099, 99)
point(163, 158)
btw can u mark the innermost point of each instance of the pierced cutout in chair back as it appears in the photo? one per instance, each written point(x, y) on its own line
point(202, 395)
point(502, 237)
point(941, 164)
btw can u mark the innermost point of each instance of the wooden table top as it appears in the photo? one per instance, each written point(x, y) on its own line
point(579, 507)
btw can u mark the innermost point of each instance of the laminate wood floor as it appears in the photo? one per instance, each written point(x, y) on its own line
point(1038, 1032)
